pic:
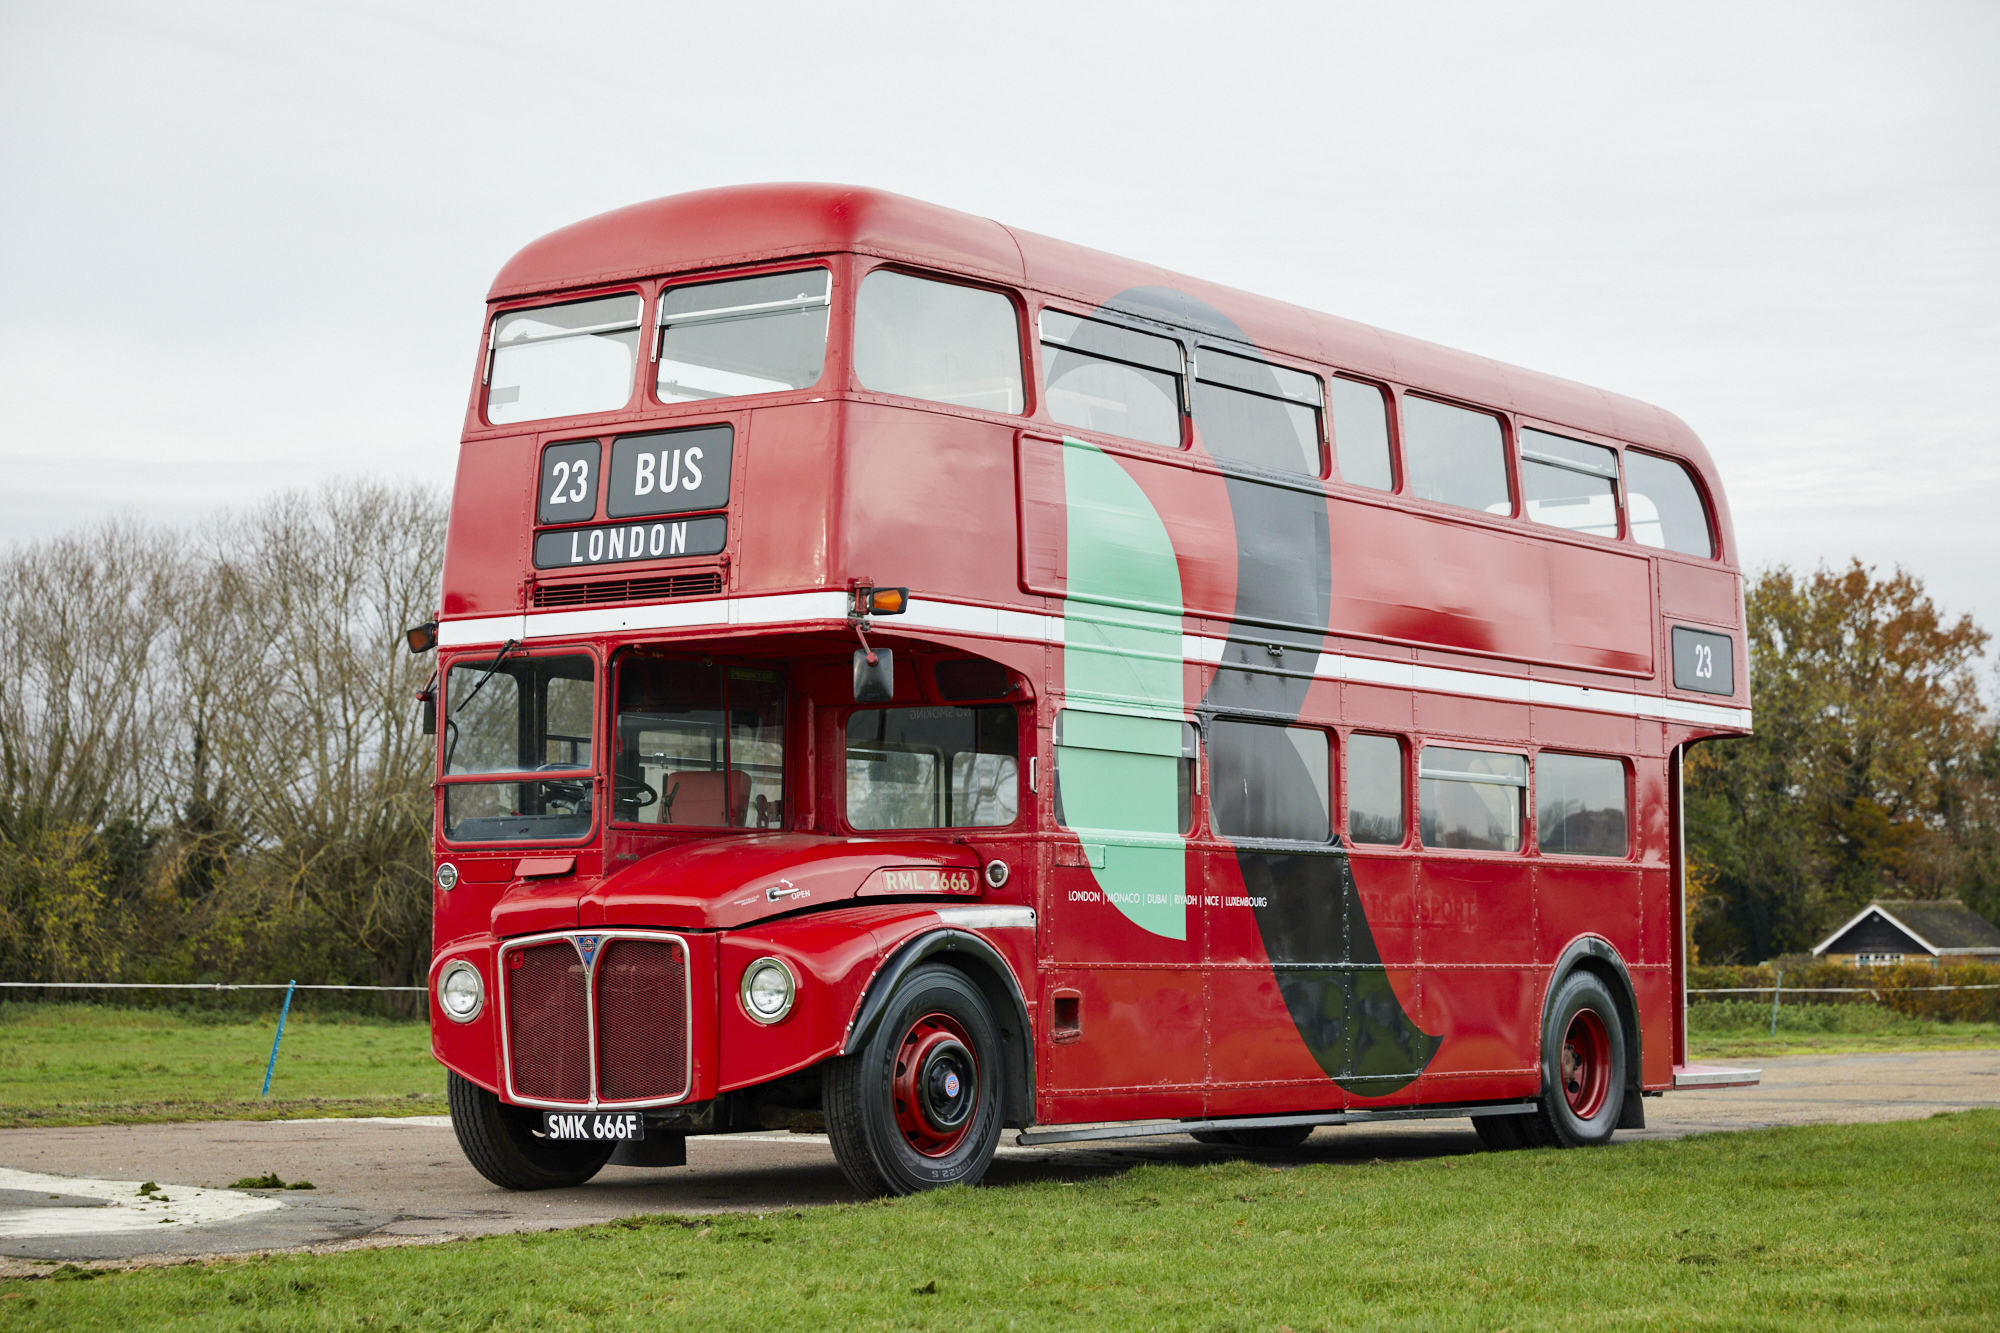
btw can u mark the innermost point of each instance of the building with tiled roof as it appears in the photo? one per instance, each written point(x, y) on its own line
point(1888, 932)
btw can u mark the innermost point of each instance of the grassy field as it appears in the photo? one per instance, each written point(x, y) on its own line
point(1739, 1028)
point(1863, 1226)
point(68, 1064)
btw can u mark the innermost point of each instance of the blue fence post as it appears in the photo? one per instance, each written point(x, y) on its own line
point(283, 1014)
point(1776, 991)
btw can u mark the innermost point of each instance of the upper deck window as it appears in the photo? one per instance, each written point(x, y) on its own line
point(563, 360)
point(1570, 484)
point(938, 340)
point(1361, 434)
point(1115, 380)
point(746, 335)
point(1456, 456)
point(1666, 508)
point(1251, 412)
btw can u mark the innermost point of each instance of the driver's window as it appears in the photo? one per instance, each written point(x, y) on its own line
point(699, 745)
point(518, 714)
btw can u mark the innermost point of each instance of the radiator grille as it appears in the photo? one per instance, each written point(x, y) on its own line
point(641, 1021)
point(547, 1031)
point(659, 587)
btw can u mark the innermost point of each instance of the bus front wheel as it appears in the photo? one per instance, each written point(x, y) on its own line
point(918, 1106)
point(505, 1144)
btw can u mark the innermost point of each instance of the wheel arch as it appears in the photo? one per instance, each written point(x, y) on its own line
point(984, 966)
point(1596, 955)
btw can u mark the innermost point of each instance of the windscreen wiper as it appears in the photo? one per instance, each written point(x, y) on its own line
point(492, 667)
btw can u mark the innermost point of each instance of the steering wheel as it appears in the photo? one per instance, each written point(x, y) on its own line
point(574, 792)
point(635, 792)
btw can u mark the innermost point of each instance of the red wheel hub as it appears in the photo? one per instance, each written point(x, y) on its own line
point(936, 1085)
point(1586, 1064)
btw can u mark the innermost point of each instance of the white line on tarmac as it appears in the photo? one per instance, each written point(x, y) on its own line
point(124, 1209)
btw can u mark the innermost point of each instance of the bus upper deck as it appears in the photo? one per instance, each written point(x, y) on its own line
point(763, 392)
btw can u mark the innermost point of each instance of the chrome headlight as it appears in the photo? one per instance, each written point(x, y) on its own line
point(447, 876)
point(460, 991)
point(768, 990)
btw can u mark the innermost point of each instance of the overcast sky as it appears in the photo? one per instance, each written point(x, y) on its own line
point(243, 246)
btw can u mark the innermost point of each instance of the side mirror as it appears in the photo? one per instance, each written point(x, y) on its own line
point(429, 700)
point(874, 683)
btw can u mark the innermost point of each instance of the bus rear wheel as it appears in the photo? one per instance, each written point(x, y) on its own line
point(1584, 1070)
point(918, 1106)
point(505, 1144)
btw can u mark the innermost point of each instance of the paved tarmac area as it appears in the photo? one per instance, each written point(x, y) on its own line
point(73, 1194)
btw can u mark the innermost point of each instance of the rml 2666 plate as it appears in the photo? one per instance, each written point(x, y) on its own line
point(594, 1126)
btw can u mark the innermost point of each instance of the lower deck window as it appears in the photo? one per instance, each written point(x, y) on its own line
point(1120, 773)
point(699, 745)
point(1579, 805)
point(1470, 800)
point(910, 768)
point(1268, 781)
point(1376, 796)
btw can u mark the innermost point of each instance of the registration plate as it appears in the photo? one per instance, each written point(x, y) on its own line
point(595, 1126)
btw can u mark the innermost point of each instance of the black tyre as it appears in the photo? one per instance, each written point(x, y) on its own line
point(1214, 1138)
point(919, 1105)
point(505, 1144)
point(1583, 1067)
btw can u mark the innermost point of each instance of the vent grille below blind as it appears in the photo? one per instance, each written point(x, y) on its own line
point(656, 588)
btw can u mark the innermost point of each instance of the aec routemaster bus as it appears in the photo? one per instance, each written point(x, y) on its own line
point(903, 669)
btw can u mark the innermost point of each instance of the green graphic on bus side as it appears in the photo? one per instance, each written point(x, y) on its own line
point(1120, 772)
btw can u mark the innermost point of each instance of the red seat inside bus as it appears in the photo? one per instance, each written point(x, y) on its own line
point(712, 799)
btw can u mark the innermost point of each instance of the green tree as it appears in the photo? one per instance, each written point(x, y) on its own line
point(1867, 775)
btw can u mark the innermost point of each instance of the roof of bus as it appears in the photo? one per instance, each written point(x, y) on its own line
point(742, 224)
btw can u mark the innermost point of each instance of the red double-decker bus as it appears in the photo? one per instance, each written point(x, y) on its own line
point(902, 668)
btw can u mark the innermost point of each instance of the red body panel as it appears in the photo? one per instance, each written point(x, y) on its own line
point(1441, 626)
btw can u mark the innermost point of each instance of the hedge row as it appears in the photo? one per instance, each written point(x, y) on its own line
point(1904, 989)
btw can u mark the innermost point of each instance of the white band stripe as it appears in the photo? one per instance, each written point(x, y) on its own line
point(1034, 627)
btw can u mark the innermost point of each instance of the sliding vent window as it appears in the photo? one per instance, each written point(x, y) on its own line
point(933, 768)
point(563, 360)
point(1580, 805)
point(1361, 436)
point(699, 745)
point(1118, 381)
point(1251, 412)
point(938, 341)
point(1666, 508)
point(1455, 456)
point(1570, 484)
point(1269, 781)
point(1470, 800)
point(748, 335)
point(1375, 791)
